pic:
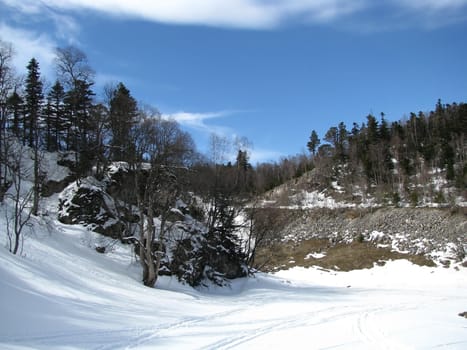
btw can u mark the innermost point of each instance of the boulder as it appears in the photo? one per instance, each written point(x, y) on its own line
point(88, 204)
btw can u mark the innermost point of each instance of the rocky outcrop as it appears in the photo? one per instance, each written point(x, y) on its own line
point(88, 203)
point(192, 254)
point(438, 233)
point(204, 257)
point(51, 187)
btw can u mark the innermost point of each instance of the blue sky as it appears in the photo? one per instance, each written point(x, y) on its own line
point(270, 71)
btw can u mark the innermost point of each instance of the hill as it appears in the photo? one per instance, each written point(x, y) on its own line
point(349, 231)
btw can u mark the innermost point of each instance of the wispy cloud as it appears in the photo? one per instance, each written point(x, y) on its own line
point(199, 121)
point(25, 13)
point(431, 13)
point(203, 122)
point(28, 44)
point(66, 27)
point(26, 6)
point(432, 5)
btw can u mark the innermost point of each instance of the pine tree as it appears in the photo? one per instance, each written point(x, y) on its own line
point(342, 143)
point(313, 143)
point(78, 106)
point(123, 115)
point(33, 109)
point(372, 129)
point(386, 163)
point(15, 105)
point(56, 122)
point(33, 103)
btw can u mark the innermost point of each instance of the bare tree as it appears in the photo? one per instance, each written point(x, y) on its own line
point(20, 195)
point(77, 76)
point(73, 66)
point(7, 84)
point(219, 148)
point(264, 229)
point(159, 161)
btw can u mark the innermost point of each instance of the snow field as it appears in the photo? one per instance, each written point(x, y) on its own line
point(62, 294)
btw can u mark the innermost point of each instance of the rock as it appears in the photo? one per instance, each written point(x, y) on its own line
point(87, 203)
point(415, 230)
point(51, 187)
point(192, 254)
point(203, 257)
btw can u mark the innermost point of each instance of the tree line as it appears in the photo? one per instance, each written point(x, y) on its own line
point(67, 116)
point(388, 157)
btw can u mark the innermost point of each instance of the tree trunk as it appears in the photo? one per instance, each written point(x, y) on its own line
point(151, 273)
point(36, 193)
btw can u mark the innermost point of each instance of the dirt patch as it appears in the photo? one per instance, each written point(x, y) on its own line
point(320, 252)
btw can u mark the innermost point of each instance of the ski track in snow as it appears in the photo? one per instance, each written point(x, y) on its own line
point(61, 294)
point(362, 320)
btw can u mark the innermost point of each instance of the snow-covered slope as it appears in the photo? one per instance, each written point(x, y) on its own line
point(61, 294)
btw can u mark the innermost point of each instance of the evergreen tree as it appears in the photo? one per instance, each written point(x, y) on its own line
point(78, 106)
point(122, 117)
point(33, 103)
point(338, 138)
point(242, 169)
point(384, 132)
point(313, 143)
point(342, 144)
point(55, 120)
point(15, 105)
point(386, 163)
point(77, 76)
point(33, 109)
point(372, 130)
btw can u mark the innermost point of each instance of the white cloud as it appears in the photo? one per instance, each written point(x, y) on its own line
point(27, 6)
point(429, 14)
point(431, 5)
point(30, 12)
point(253, 14)
point(198, 121)
point(28, 44)
point(66, 27)
point(221, 13)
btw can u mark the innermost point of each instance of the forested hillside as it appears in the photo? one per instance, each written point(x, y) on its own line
point(398, 159)
point(136, 176)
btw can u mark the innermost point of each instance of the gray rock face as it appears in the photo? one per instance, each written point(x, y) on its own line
point(88, 203)
point(413, 230)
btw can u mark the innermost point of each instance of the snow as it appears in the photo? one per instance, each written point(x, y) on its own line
point(376, 236)
point(54, 171)
point(315, 256)
point(61, 294)
point(315, 199)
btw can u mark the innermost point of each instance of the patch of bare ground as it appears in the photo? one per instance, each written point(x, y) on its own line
point(320, 252)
